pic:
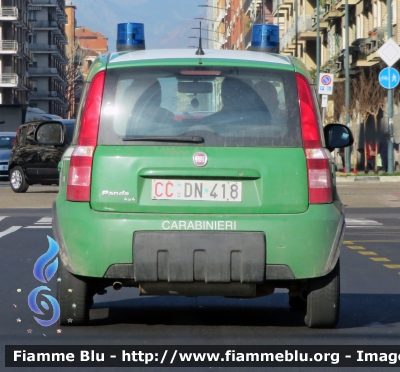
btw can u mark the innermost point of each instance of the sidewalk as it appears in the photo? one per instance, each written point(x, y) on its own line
point(369, 177)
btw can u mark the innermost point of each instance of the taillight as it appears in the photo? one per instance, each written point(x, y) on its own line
point(80, 169)
point(319, 174)
point(16, 136)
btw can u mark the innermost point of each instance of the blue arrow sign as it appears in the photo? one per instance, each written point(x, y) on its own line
point(389, 78)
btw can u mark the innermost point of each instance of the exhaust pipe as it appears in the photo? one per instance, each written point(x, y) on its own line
point(117, 286)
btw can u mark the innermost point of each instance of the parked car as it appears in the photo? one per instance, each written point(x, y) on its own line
point(215, 184)
point(6, 144)
point(33, 163)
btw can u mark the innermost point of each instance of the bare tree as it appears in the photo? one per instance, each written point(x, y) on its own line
point(377, 102)
point(362, 88)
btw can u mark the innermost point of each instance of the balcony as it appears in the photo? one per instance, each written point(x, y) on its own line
point(49, 49)
point(305, 27)
point(25, 84)
point(47, 3)
point(52, 72)
point(8, 47)
point(8, 13)
point(341, 3)
point(8, 80)
point(331, 12)
point(45, 25)
point(45, 95)
point(322, 24)
point(304, 32)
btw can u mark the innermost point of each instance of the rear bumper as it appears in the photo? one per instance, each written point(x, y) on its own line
point(101, 244)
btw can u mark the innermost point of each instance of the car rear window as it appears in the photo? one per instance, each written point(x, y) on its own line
point(224, 106)
point(6, 142)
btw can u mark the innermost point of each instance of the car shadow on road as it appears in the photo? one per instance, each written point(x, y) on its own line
point(197, 311)
point(357, 311)
point(43, 192)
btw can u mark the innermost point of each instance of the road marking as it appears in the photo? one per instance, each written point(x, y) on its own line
point(9, 231)
point(38, 227)
point(361, 222)
point(379, 259)
point(347, 242)
point(44, 220)
point(368, 253)
point(376, 241)
point(392, 266)
point(355, 247)
point(3, 217)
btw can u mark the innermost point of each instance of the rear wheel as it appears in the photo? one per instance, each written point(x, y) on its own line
point(17, 180)
point(74, 296)
point(323, 301)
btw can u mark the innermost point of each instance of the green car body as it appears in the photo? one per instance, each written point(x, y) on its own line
point(301, 241)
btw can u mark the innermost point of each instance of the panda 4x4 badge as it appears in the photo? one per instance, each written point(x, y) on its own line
point(200, 159)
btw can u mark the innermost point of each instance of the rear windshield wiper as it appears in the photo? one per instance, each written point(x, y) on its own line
point(194, 139)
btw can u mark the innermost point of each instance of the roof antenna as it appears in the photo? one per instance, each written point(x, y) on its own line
point(200, 49)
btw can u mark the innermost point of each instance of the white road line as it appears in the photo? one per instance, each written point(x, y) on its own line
point(38, 227)
point(3, 217)
point(42, 223)
point(45, 220)
point(361, 222)
point(9, 231)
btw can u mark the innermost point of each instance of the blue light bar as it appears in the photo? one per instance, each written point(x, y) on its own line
point(130, 36)
point(265, 38)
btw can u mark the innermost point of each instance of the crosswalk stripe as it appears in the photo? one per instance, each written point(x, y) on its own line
point(38, 227)
point(3, 217)
point(9, 230)
point(361, 222)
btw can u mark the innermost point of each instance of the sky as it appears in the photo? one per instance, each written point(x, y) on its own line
point(167, 23)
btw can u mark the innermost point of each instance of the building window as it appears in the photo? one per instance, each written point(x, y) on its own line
point(32, 15)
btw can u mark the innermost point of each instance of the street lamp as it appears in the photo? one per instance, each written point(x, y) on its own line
point(241, 14)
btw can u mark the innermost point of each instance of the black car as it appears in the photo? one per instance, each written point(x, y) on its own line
point(33, 163)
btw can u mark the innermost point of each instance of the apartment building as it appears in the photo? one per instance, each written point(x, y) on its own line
point(72, 70)
point(48, 47)
point(231, 21)
point(15, 56)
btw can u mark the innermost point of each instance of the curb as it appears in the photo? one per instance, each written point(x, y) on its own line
point(387, 179)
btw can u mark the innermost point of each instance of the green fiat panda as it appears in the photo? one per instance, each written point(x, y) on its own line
point(200, 174)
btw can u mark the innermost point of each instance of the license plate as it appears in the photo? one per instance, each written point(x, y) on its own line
point(196, 190)
point(3, 167)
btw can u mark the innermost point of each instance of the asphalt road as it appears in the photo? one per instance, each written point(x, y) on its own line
point(370, 300)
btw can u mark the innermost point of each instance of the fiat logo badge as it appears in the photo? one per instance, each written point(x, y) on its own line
point(200, 159)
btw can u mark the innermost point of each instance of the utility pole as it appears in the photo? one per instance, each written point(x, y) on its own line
point(390, 95)
point(347, 82)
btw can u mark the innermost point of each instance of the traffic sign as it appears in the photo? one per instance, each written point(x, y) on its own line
point(324, 101)
point(389, 52)
point(325, 85)
point(389, 78)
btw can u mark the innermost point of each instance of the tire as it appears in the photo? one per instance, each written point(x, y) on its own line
point(74, 297)
point(297, 303)
point(323, 301)
point(17, 180)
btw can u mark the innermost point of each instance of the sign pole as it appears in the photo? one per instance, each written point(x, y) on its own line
point(390, 95)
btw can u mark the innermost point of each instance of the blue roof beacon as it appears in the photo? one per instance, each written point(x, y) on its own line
point(265, 38)
point(130, 37)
